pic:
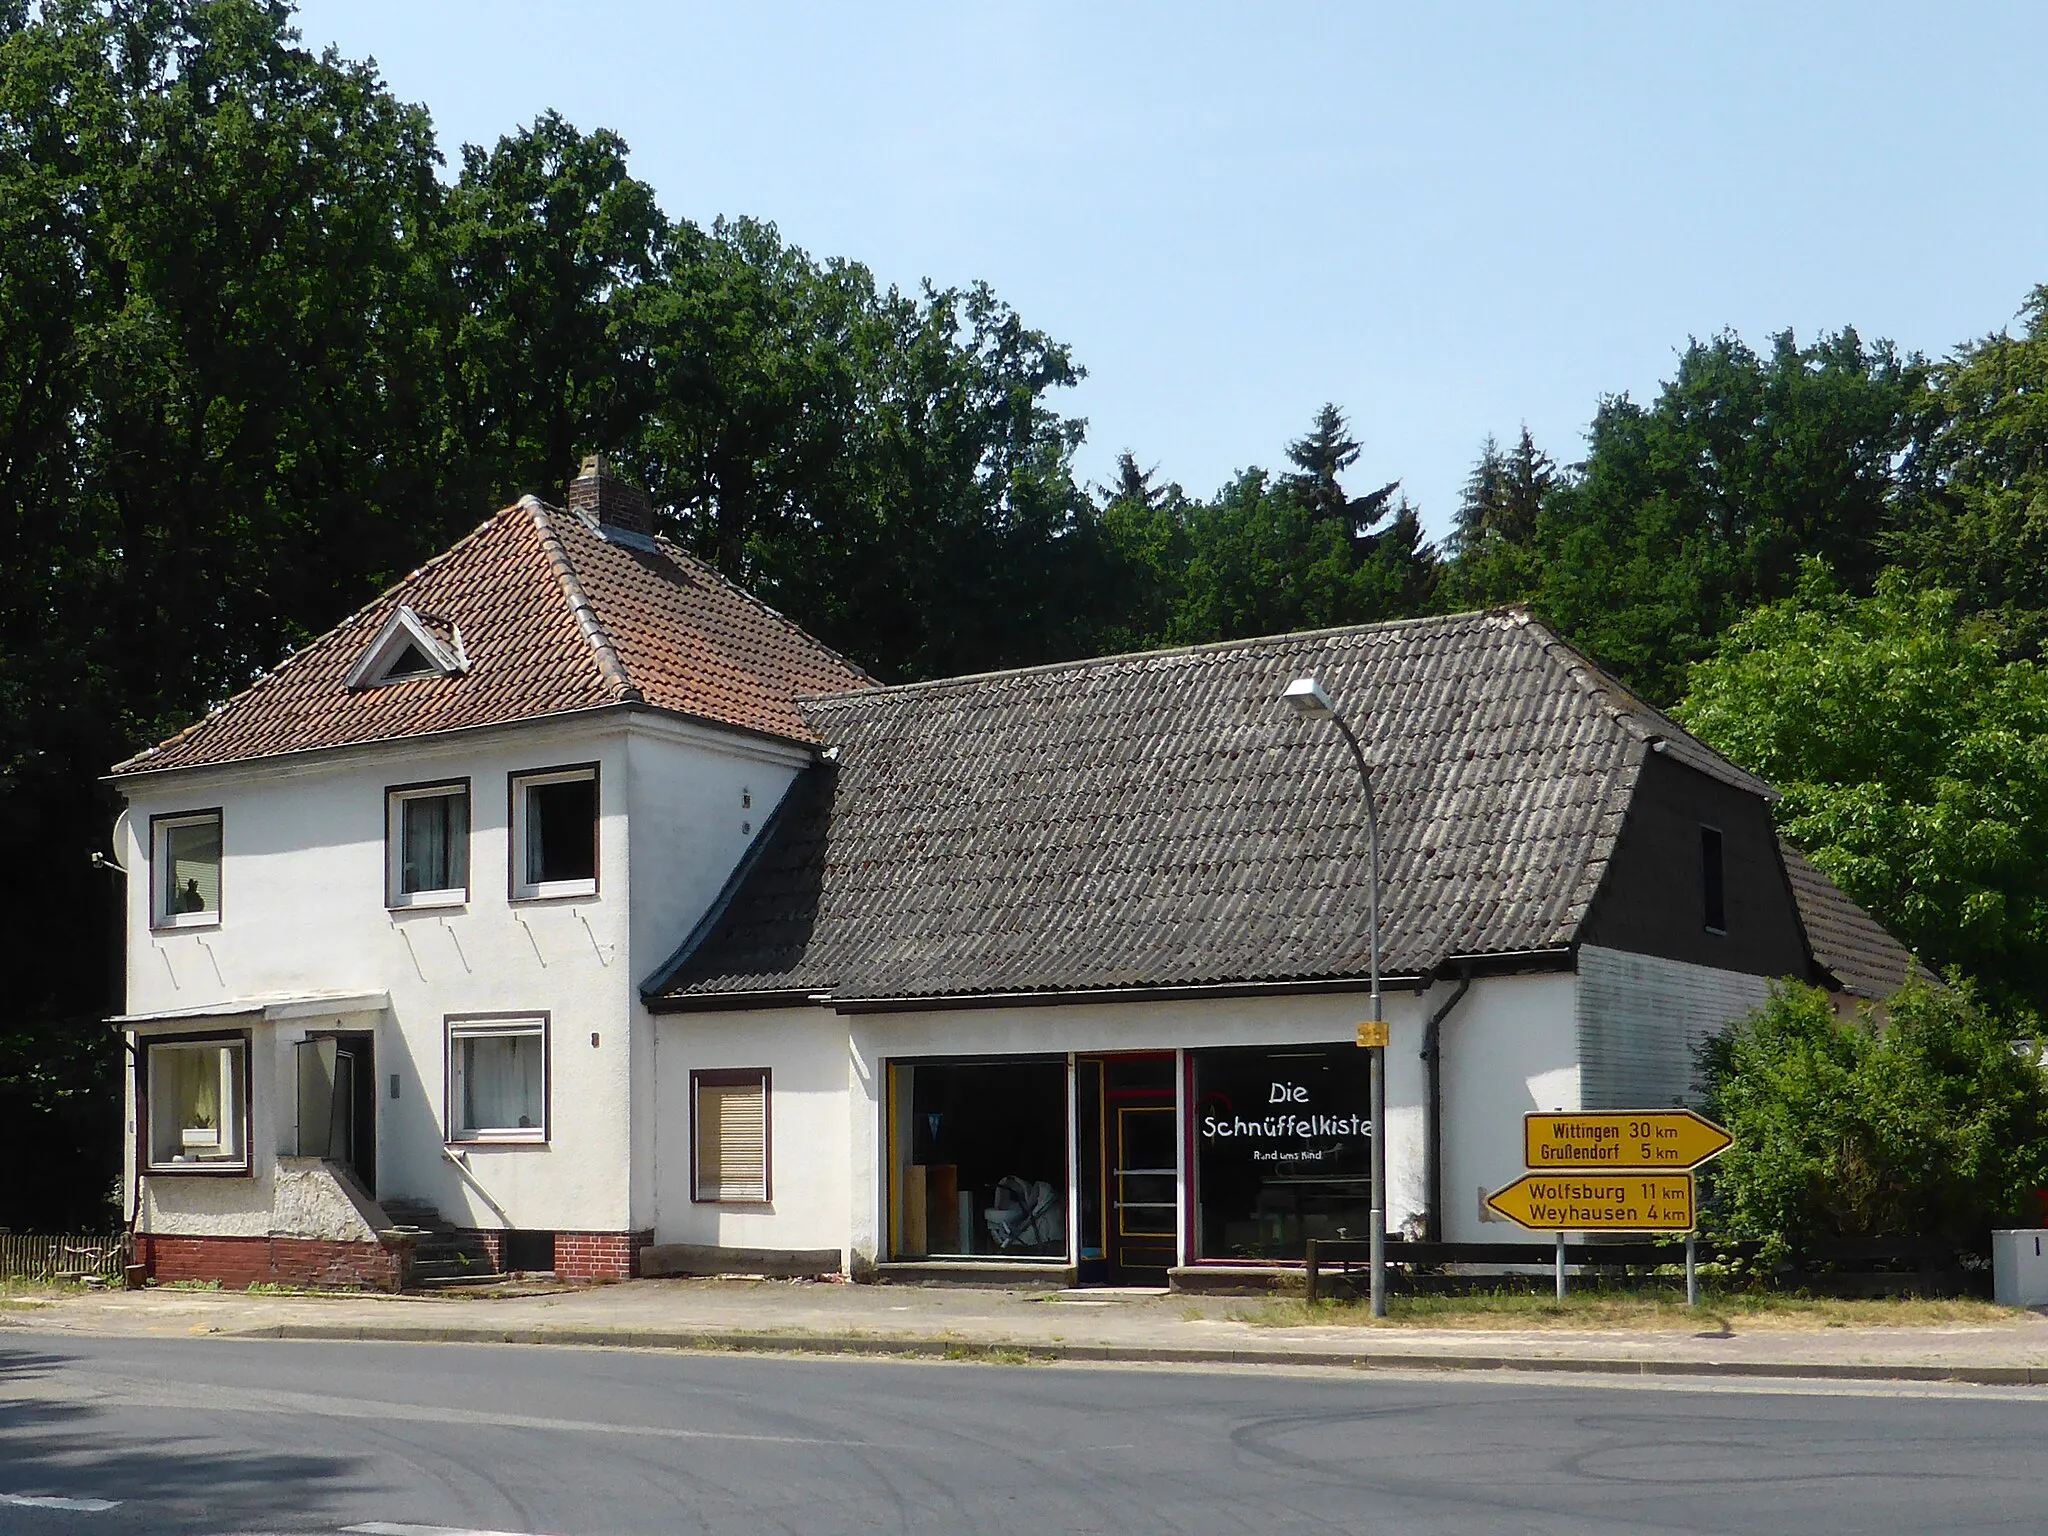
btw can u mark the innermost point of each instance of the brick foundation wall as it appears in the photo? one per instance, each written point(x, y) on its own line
point(240, 1262)
point(599, 1255)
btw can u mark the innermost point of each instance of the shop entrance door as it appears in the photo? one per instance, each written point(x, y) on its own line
point(1130, 1169)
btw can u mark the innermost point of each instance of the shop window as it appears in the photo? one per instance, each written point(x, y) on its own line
point(978, 1159)
point(498, 1078)
point(1283, 1150)
point(185, 866)
point(729, 1151)
point(427, 836)
point(554, 833)
point(197, 1105)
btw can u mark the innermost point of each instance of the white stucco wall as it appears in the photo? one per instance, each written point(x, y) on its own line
point(1642, 1019)
point(696, 801)
point(805, 1052)
point(829, 1180)
point(1509, 1047)
point(303, 911)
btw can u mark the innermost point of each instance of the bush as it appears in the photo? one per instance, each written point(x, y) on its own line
point(1930, 1122)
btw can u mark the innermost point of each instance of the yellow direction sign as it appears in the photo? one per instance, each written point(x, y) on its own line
point(1621, 1140)
point(1581, 1202)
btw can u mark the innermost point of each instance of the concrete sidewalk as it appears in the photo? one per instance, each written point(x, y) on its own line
point(938, 1322)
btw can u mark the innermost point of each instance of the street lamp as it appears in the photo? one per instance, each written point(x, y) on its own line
point(1306, 698)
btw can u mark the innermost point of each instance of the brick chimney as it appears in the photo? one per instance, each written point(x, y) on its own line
point(598, 492)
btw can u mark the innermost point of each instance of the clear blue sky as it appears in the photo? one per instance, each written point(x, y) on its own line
point(1448, 220)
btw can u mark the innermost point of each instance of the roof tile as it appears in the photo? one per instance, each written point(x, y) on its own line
point(1160, 820)
point(554, 618)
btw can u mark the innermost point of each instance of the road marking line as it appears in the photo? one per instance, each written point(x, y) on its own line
point(399, 1528)
point(51, 1501)
point(168, 1395)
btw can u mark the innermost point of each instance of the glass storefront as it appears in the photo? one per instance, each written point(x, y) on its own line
point(1282, 1140)
point(978, 1159)
point(1277, 1150)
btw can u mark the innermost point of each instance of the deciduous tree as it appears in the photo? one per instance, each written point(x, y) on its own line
point(1913, 759)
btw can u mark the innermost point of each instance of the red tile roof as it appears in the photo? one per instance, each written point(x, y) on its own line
point(554, 618)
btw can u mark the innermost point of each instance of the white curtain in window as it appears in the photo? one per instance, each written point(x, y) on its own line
point(501, 1082)
point(195, 1109)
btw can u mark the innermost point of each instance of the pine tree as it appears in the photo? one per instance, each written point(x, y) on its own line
point(1322, 456)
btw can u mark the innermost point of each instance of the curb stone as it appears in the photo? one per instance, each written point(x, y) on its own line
point(1133, 1354)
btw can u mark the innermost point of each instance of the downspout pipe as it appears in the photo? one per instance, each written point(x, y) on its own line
point(1433, 1143)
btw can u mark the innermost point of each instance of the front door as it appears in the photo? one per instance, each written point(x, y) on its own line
point(1130, 1169)
point(338, 1102)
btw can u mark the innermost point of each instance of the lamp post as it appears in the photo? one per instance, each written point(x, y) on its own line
point(1306, 698)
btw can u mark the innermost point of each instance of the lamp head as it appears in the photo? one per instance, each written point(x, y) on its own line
point(1305, 697)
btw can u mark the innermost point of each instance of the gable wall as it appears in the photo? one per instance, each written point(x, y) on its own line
point(1642, 1019)
point(1651, 901)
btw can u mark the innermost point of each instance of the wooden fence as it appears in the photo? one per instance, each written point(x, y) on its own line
point(83, 1256)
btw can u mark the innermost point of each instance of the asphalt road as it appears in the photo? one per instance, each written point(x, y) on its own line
point(204, 1435)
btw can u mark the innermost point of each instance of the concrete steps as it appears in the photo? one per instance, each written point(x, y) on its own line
point(444, 1257)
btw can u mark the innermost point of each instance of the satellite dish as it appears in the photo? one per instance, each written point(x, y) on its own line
point(120, 844)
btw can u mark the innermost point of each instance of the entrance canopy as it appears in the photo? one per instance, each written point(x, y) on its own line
point(271, 1008)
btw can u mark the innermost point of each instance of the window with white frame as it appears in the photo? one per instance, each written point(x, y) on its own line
point(729, 1142)
point(196, 1114)
point(498, 1078)
point(554, 833)
point(427, 838)
point(185, 870)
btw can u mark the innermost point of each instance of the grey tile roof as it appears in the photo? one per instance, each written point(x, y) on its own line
point(1161, 820)
point(1847, 941)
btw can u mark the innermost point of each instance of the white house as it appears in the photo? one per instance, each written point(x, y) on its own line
point(569, 898)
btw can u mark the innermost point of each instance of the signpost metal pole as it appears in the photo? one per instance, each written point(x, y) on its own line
point(1692, 1272)
point(1560, 1266)
point(1379, 1177)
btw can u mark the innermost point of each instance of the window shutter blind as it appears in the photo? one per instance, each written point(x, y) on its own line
point(732, 1142)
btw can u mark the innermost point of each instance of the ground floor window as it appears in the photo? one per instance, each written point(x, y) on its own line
point(197, 1105)
point(978, 1159)
point(1282, 1140)
point(730, 1147)
point(498, 1078)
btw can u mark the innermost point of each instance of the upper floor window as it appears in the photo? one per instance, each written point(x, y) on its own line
point(426, 832)
point(554, 832)
point(184, 868)
point(197, 1105)
point(1713, 880)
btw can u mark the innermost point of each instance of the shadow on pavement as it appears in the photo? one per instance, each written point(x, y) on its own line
point(66, 1445)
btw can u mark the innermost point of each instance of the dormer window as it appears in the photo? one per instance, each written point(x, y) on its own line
point(409, 646)
point(410, 663)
